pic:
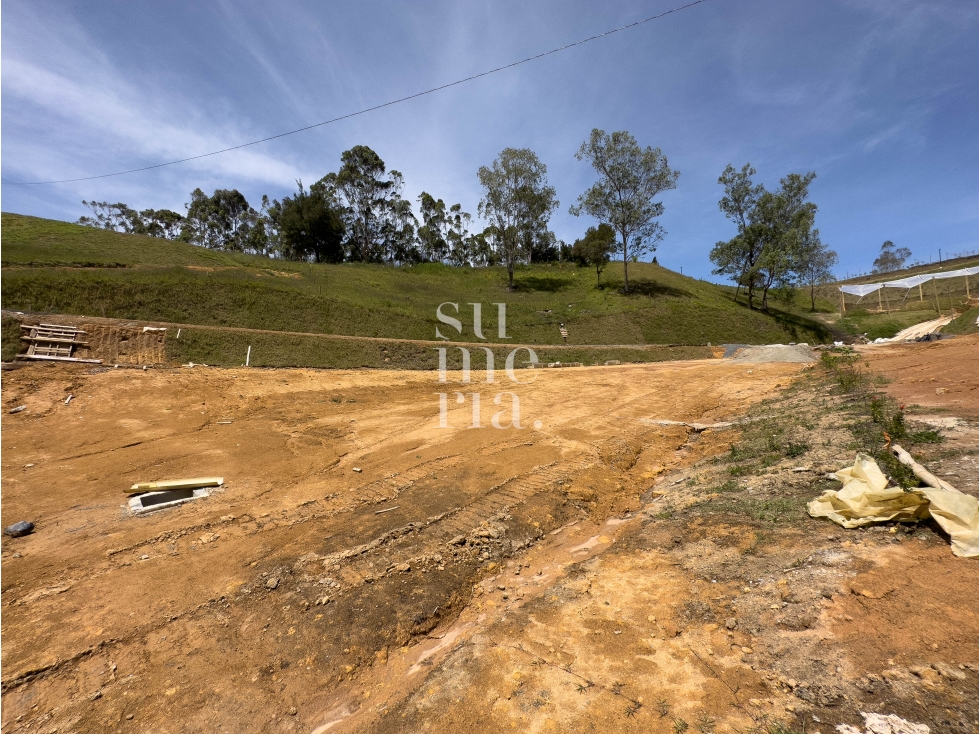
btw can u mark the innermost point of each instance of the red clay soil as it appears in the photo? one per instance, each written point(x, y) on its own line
point(942, 374)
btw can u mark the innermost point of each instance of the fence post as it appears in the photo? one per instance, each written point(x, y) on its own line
point(248, 355)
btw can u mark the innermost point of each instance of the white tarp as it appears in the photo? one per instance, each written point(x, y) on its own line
point(956, 273)
point(860, 290)
point(909, 282)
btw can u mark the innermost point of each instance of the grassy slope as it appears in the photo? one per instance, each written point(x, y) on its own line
point(965, 323)
point(56, 267)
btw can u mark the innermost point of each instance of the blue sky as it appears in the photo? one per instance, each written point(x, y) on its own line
point(879, 97)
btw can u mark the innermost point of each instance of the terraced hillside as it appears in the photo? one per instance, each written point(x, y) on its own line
point(59, 268)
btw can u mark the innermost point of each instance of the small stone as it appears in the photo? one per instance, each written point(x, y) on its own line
point(747, 650)
point(458, 540)
point(292, 711)
point(731, 623)
point(144, 557)
point(403, 568)
point(129, 717)
point(357, 469)
point(19, 529)
point(272, 584)
point(95, 696)
point(19, 409)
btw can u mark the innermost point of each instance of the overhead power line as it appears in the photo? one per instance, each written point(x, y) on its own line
point(367, 109)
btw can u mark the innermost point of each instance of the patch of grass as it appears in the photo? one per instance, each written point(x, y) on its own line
point(772, 510)
point(844, 365)
point(10, 343)
point(728, 486)
point(768, 440)
point(877, 418)
point(964, 323)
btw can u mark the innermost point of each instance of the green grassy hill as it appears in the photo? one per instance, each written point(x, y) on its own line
point(56, 267)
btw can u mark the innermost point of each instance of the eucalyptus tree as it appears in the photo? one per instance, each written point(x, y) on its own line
point(378, 221)
point(119, 217)
point(814, 263)
point(432, 234)
point(784, 220)
point(629, 180)
point(775, 238)
point(737, 257)
point(891, 258)
point(517, 201)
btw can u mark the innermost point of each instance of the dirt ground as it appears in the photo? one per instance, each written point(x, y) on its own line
point(363, 569)
point(933, 374)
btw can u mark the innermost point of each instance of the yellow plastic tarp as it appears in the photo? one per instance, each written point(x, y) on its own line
point(866, 499)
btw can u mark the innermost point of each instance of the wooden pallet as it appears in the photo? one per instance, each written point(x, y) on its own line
point(54, 342)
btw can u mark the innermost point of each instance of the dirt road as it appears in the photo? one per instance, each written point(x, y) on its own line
point(364, 569)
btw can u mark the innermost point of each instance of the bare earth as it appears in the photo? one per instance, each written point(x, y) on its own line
point(932, 374)
point(483, 580)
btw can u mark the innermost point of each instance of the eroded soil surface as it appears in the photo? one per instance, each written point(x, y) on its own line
point(942, 373)
point(592, 574)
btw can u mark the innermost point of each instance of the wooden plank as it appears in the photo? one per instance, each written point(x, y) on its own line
point(195, 483)
point(38, 331)
point(53, 340)
point(65, 328)
point(58, 359)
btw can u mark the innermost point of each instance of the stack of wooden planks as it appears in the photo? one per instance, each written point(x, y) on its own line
point(53, 342)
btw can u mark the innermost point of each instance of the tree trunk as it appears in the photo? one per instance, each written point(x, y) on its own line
point(625, 263)
point(764, 294)
point(812, 295)
point(509, 270)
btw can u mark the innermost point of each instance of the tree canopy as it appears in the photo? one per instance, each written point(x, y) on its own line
point(518, 202)
point(595, 248)
point(776, 244)
point(891, 258)
point(629, 179)
point(310, 225)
